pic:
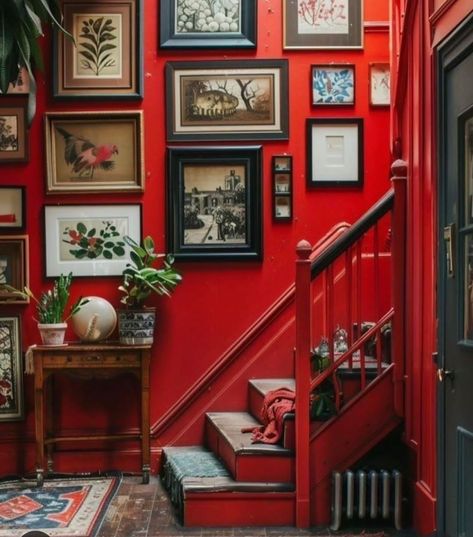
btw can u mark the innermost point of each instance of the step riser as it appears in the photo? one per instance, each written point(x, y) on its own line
point(237, 509)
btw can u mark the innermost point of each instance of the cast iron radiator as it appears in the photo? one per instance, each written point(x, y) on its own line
point(366, 495)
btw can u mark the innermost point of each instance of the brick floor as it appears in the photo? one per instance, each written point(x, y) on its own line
point(144, 511)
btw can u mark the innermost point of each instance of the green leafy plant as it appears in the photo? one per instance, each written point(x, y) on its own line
point(21, 24)
point(148, 272)
point(322, 399)
point(95, 38)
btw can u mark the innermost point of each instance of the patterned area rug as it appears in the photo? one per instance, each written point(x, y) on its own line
point(62, 507)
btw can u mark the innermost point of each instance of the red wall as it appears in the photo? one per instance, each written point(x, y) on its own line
point(217, 301)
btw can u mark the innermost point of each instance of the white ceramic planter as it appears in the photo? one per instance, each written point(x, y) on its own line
point(52, 334)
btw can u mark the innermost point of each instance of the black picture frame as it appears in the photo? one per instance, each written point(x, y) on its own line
point(214, 203)
point(236, 100)
point(12, 208)
point(335, 153)
point(244, 37)
point(11, 368)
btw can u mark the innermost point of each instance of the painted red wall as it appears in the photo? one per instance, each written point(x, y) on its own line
point(217, 301)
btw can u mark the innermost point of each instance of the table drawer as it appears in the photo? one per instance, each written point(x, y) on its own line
point(92, 359)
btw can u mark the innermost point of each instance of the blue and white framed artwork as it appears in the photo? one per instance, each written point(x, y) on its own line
point(333, 84)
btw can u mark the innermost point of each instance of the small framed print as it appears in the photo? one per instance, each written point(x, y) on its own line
point(13, 130)
point(282, 163)
point(214, 203)
point(334, 152)
point(12, 208)
point(333, 85)
point(282, 187)
point(208, 24)
point(380, 84)
point(11, 369)
point(13, 267)
point(94, 152)
point(87, 240)
point(21, 86)
point(106, 58)
point(328, 24)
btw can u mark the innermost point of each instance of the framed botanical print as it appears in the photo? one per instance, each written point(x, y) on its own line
point(323, 24)
point(380, 84)
point(13, 268)
point(12, 208)
point(106, 58)
point(13, 130)
point(333, 84)
point(94, 152)
point(334, 152)
point(208, 24)
point(227, 100)
point(11, 369)
point(214, 200)
point(87, 240)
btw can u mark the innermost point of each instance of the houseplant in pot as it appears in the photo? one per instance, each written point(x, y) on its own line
point(148, 273)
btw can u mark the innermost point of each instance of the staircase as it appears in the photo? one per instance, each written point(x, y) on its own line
point(231, 481)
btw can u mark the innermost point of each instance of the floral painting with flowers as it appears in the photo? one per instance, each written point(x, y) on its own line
point(323, 16)
point(333, 84)
point(11, 390)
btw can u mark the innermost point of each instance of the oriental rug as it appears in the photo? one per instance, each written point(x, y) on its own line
point(62, 507)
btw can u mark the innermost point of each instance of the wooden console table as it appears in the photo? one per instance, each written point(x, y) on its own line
point(101, 359)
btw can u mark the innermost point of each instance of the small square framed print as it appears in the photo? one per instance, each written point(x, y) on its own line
point(333, 85)
point(13, 130)
point(13, 267)
point(12, 208)
point(334, 152)
point(380, 84)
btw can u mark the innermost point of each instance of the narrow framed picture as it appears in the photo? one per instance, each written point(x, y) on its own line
point(333, 85)
point(14, 268)
point(334, 152)
point(94, 152)
point(380, 84)
point(106, 58)
point(327, 24)
point(87, 240)
point(208, 24)
point(214, 200)
point(11, 369)
point(13, 130)
point(227, 100)
point(12, 208)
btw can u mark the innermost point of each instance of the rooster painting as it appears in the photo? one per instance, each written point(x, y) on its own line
point(85, 157)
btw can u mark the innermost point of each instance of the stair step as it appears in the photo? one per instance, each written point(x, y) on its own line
point(244, 460)
point(204, 494)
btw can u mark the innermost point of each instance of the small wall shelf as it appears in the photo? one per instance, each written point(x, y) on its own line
point(282, 187)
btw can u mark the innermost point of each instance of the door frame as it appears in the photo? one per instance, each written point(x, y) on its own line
point(448, 54)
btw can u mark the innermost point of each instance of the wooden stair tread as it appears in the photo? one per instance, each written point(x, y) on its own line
point(266, 385)
point(230, 424)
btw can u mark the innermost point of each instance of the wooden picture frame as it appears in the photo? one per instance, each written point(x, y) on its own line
point(94, 152)
point(87, 240)
point(11, 369)
point(106, 59)
point(380, 84)
point(214, 200)
point(282, 187)
point(337, 24)
point(334, 152)
point(333, 84)
point(193, 27)
point(227, 100)
point(12, 208)
point(13, 130)
point(14, 268)
point(21, 86)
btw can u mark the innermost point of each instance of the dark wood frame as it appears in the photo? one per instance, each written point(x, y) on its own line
point(16, 246)
point(17, 371)
point(65, 86)
point(294, 40)
point(250, 157)
point(16, 106)
point(175, 72)
point(170, 39)
point(288, 195)
point(4, 228)
point(313, 122)
point(339, 66)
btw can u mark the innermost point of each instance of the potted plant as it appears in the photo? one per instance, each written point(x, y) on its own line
point(148, 273)
point(20, 27)
point(51, 307)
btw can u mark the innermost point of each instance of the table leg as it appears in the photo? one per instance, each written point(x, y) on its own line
point(145, 429)
point(39, 417)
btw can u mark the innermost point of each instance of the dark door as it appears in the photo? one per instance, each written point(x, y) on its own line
point(456, 284)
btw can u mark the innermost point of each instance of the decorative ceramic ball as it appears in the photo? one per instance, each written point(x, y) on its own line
point(95, 321)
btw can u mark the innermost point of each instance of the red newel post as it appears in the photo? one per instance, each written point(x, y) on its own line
point(302, 373)
point(398, 252)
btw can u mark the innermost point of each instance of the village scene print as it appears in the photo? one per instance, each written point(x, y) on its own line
point(208, 16)
point(215, 205)
point(323, 16)
point(333, 85)
point(8, 133)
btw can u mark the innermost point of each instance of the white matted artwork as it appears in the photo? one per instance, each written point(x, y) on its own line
point(380, 84)
point(87, 240)
point(335, 152)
